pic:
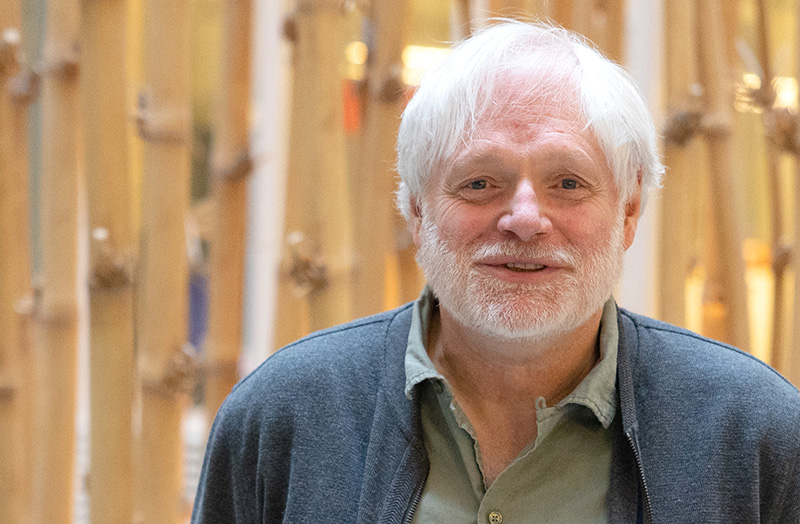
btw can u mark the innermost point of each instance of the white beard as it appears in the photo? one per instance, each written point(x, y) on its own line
point(509, 310)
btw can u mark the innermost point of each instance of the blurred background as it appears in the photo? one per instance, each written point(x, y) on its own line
point(188, 185)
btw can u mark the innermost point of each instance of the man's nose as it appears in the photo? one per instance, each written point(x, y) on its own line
point(524, 216)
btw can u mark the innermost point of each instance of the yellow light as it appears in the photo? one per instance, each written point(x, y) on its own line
point(786, 92)
point(418, 59)
point(751, 81)
point(355, 56)
point(356, 52)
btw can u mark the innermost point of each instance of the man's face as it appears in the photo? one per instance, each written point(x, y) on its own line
point(522, 233)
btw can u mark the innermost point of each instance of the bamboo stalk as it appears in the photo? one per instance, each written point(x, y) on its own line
point(161, 322)
point(780, 252)
point(714, 319)
point(55, 316)
point(374, 213)
point(609, 28)
point(792, 364)
point(717, 85)
point(111, 293)
point(459, 19)
point(478, 13)
point(15, 279)
point(542, 8)
point(318, 219)
point(679, 198)
point(230, 169)
point(508, 8)
point(561, 11)
point(581, 19)
point(481, 12)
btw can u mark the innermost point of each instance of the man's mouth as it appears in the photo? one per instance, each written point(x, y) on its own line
point(518, 266)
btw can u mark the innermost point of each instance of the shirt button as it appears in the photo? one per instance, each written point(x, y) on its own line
point(495, 517)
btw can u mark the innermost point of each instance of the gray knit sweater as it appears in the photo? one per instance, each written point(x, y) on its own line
point(322, 433)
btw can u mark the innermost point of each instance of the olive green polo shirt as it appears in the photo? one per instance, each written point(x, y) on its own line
point(563, 476)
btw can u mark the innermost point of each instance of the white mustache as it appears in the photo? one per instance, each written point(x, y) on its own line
point(561, 255)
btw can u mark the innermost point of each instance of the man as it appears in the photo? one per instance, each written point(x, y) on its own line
point(513, 390)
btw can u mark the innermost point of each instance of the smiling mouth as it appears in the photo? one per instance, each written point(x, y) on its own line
point(523, 267)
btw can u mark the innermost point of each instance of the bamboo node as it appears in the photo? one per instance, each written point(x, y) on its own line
point(218, 368)
point(391, 87)
point(716, 125)
point(178, 375)
point(682, 126)
point(24, 87)
point(9, 49)
point(304, 265)
point(7, 390)
point(289, 27)
point(762, 96)
point(109, 270)
point(781, 256)
point(241, 167)
point(66, 66)
point(24, 306)
point(162, 124)
point(52, 313)
point(785, 132)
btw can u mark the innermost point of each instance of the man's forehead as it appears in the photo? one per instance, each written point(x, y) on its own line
point(520, 100)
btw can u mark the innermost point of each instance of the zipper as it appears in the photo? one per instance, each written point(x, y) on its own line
point(648, 510)
point(412, 508)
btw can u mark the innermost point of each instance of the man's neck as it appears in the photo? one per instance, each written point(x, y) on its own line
point(526, 368)
point(497, 381)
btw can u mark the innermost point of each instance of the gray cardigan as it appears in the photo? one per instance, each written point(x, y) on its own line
point(322, 433)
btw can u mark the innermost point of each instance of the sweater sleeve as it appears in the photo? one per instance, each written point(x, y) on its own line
point(791, 505)
point(226, 493)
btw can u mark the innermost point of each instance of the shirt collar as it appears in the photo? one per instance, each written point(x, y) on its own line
point(418, 364)
point(597, 391)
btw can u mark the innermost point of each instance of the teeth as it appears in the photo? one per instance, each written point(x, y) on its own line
point(523, 267)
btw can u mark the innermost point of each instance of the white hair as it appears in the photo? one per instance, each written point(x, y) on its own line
point(454, 96)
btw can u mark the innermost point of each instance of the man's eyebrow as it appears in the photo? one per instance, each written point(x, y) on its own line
point(551, 154)
point(478, 157)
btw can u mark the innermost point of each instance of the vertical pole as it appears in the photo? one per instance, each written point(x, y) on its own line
point(373, 227)
point(715, 76)
point(459, 19)
point(111, 299)
point(15, 277)
point(231, 166)
point(679, 198)
point(581, 19)
point(792, 364)
point(161, 322)
point(542, 8)
point(318, 219)
point(779, 250)
point(55, 315)
point(610, 28)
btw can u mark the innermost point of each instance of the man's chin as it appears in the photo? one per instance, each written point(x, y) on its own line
point(505, 321)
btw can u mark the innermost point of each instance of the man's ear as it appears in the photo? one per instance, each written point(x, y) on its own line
point(633, 208)
point(414, 218)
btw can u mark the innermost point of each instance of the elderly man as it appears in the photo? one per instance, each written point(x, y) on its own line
point(513, 390)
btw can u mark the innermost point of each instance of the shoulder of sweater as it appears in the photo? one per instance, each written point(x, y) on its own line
point(667, 349)
point(343, 359)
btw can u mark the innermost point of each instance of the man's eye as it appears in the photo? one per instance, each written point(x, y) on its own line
point(569, 183)
point(477, 184)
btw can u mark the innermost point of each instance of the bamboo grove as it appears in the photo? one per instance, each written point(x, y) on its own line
point(99, 158)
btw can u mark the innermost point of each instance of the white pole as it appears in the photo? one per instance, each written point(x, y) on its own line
point(644, 48)
point(268, 183)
